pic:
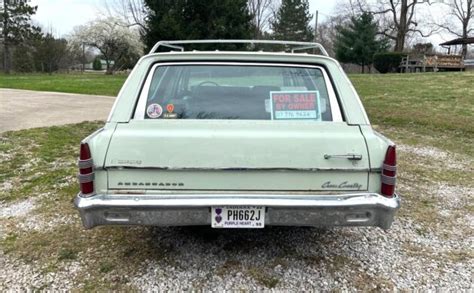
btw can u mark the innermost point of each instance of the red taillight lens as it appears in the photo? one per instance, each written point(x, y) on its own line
point(389, 172)
point(86, 171)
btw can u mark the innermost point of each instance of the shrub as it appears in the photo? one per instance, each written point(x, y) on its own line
point(388, 62)
point(97, 65)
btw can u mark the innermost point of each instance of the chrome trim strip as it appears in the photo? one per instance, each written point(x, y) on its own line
point(142, 100)
point(206, 200)
point(83, 164)
point(121, 167)
point(85, 178)
point(389, 180)
point(389, 168)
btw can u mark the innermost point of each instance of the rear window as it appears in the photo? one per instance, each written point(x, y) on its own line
point(245, 92)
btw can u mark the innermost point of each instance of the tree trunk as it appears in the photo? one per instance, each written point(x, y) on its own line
point(6, 58)
point(402, 27)
point(108, 70)
point(400, 41)
point(6, 48)
point(464, 51)
point(465, 27)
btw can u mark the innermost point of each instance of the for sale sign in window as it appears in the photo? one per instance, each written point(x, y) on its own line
point(295, 105)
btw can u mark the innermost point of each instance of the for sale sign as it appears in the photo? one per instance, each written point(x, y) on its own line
point(295, 105)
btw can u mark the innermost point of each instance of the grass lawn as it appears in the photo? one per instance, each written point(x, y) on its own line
point(87, 83)
point(430, 108)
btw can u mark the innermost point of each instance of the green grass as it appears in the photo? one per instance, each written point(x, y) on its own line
point(36, 160)
point(87, 83)
point(430, 108)
point(437, 101)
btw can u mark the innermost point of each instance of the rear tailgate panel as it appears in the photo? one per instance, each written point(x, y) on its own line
point(236, 155)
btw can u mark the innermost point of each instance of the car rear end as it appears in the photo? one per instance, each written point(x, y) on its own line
point(237, 140)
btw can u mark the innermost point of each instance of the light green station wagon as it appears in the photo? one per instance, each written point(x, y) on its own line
point(237, 139)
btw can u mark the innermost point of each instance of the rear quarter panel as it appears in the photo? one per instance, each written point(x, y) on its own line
point(377, 145)
point(98, 144)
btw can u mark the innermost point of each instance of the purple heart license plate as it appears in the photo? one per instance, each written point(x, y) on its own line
point(238, 217)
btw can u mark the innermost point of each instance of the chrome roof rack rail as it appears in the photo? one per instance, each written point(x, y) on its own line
point(293, 46)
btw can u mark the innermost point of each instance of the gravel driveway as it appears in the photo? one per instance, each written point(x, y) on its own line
point(429, 247)
point(21, 109)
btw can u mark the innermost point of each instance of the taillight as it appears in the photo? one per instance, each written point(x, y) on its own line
point(86, 171)
point(389, 172)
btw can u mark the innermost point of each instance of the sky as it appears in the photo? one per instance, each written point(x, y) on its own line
point(61, 16)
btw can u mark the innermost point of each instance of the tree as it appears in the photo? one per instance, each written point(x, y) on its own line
point(292, 21)
point(16, 26)
point(22, 59)
point(50, 53)
point(327, 31)
point(112, 38)
point(196, 19)
point(97, 64)
point(396, 19)
point(131, 12)
point(357, 42)
point(261, 12)
point(462, 12)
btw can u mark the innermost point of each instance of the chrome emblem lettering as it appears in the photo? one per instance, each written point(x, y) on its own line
point(342, 185)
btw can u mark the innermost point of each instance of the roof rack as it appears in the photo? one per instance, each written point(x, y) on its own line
point(293, 46)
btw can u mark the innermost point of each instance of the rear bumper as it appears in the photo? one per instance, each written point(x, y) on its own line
point(360, 209)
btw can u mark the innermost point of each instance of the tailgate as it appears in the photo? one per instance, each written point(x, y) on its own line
point(237, 155)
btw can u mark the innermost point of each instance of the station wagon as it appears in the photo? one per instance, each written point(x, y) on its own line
point(246, 138)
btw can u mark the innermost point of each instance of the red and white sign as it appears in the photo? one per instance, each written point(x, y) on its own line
point(295, 105)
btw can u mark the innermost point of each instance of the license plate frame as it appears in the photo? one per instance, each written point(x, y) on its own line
point(235, 217)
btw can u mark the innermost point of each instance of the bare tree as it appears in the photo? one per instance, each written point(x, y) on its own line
point(261, 11)
point(462, 12)
point(396, 18)
point(131, 12)
point(327, 31)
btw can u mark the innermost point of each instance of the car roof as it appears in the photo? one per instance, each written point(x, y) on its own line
point(253, 56)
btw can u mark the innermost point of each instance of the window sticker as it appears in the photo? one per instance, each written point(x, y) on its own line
point(295, 105)
point(154, 111)
point(170, 114)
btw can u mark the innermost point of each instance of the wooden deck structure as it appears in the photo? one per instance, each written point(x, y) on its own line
point(468, 63)
point(439, 62)
point(432, 63)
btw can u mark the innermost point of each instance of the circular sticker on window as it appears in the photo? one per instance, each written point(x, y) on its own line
point(154, 111)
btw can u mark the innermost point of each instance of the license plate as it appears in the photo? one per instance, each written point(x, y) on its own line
point(238, 217)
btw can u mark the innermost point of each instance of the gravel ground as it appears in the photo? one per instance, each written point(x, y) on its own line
point(412, 255)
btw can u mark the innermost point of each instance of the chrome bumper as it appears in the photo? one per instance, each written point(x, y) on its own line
point(360, 209)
